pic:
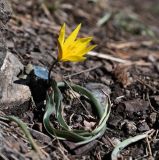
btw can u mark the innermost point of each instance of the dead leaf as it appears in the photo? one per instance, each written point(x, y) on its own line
point(122, 75)
point(88, 125)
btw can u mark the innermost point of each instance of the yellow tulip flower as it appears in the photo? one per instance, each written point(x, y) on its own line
point(72, 49)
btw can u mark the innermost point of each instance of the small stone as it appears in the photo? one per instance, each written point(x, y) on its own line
point(153, 117)
point(5, 11)
point(157, 67)
point(130, 127)
point(99, 90)
point(80, 149)
point(11, 94)
point(3, 49)
point(156, 100)
point(79, 118)
point(114, 121)
point(136, 105)
point(115, 141)
point(152, 58)
point(85, 148)
point(142, 127)
point(106, 81)
point(108, 66)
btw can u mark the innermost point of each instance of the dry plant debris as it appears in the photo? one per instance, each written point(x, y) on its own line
point(125, 60)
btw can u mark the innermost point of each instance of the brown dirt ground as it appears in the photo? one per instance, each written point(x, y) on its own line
point(32, 34)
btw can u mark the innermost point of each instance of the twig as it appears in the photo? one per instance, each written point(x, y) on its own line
point(148, 98)
point(110, 141)
point(151, 134)
point(99, 156)
point(71, 117)
point(156, 133)
point(63, 154)
point(144, 83)
point(43, 147)
point(107, 95)
point(47, 12)
point(134, 44)
point(119, 60)
point(77, 97)
point(149, 147)
point(108, 57)
point(84, 71)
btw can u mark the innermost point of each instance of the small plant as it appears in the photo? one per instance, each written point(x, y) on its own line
point(73, 50)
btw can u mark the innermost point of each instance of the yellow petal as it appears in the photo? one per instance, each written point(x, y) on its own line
point(73, 49)
point(83, 40)
point(62, 34)
point(74, 58)
point(82, 43)
point(78, 46)
point(71, 38)
point(59, 51)
point(86, 50)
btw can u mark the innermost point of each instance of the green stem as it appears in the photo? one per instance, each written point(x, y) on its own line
point(23, 126)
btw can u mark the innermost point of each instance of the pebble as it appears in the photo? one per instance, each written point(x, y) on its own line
point(11, 94)
point(130, 127)
point(142, 127)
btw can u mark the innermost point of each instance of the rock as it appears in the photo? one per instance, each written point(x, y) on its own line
point(11, 94)
point(114, 121)
point(5, 14)
point(78, 150)
point(130, 127)
point(142, 127)
point(130, 107)
point(36, 78)
point(99, 90)
point(151, 58)
point(155, 101)
point(3, 49)
point(153, 117)
point(5, 11)
point(115, 141)
point(85, 148)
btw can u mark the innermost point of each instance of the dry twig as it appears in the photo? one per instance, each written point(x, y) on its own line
point(108, 57)
point(83, 71)
point(119, 60)
point(134, 44)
